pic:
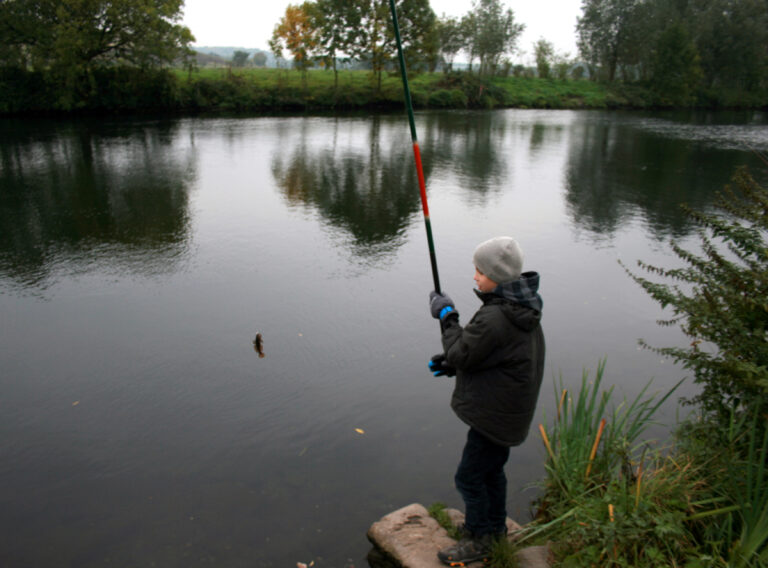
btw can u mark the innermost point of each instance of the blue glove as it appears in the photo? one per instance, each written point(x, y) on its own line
point(439, 367)
point(440, 305)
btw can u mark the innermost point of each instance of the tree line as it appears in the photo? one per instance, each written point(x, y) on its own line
point(680, 52)
point(682, 49)
point(327, 32)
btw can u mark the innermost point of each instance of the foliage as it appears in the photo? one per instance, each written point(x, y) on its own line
point(719, 300)
point(451, 40)
point(258, 90)
point(602, 34)
point(731, 37)
point(79, 35)
point(581, 426)
point(108, 89)
point(418, 34)
point(296, 33)
point(676, 67)
point(732, 520)
point(682, 49)
point(544, 52)
point(608, 499)
point(336, 22)
point(239, 58)
point(490, 32)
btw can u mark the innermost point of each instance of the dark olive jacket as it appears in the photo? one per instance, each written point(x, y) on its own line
point(499, 360)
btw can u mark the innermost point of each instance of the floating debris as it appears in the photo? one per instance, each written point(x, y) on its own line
point(258, 345)
point(359, 430)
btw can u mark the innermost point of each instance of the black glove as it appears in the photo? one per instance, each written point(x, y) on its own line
point(439, 367)
point(440, 305)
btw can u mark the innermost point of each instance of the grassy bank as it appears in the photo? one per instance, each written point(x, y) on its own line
point(265, 89)
point(125, 90)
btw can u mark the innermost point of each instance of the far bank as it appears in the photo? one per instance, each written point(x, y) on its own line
point(131, 90)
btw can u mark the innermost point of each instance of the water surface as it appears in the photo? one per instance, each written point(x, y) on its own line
point(138, 259)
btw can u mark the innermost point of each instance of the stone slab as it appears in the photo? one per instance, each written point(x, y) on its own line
point(410, 538)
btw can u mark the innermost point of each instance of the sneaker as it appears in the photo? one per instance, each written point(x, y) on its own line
point(465, 551)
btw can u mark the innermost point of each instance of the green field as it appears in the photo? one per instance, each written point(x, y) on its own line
point(253, 89)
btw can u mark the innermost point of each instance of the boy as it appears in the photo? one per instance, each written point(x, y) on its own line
point(498, 359)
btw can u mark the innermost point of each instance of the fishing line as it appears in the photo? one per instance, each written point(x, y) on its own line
point(416, 150)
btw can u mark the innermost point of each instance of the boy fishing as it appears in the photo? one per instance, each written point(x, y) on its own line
point(498, 361)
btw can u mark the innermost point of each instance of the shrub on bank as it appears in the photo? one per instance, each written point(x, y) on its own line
point(703, 501)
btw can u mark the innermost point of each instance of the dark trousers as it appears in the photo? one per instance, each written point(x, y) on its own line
point(481, 481)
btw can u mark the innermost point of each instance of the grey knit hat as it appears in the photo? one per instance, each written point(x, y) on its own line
point(500, 259)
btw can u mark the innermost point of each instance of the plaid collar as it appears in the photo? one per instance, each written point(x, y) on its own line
point(523, 291)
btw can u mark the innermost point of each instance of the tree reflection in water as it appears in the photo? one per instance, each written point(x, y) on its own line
point(86, 192)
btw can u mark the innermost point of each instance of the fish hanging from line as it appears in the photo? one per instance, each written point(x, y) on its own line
point(258, 345)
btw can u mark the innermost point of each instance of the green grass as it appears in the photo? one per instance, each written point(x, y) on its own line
point(259, 89)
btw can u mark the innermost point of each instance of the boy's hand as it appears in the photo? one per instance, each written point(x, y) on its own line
point(440, 305)
point(439, 367)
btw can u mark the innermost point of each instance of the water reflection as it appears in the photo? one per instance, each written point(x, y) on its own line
point(364, 185)
point(620, 169)
point(78, 193)
point(469, 145)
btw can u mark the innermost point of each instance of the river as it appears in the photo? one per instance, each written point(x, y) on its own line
point(139, 258)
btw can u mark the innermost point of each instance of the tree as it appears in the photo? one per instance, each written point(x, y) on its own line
point(719, 300)
point(603, 34)
point(468, 30)
point(732, 39)
point(676, 69)
point(296, 32)
point(374, 42)
point(494, 33)
point(82, 34)
point(544, 52)
point(451, 40)
point(336, 22)
point(259, 59)
point(239, 58)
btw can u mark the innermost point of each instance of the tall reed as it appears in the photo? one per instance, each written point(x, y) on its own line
point(584, 424)
point(608, 500)
point(734, 520)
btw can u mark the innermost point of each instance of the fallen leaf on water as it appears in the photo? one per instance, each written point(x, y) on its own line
point(301, 565)
point(359, 430)
point(76, 403)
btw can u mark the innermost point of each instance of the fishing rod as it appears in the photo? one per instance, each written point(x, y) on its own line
point(416, 150)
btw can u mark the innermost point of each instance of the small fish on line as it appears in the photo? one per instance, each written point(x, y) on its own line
point(258, 345)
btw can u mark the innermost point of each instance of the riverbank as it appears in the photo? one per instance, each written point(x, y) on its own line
point(130, 90)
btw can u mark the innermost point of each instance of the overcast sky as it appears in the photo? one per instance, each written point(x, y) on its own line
point(249, 23)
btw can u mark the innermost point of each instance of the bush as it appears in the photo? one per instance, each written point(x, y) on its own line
point(720, 301)
point(448, 98)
